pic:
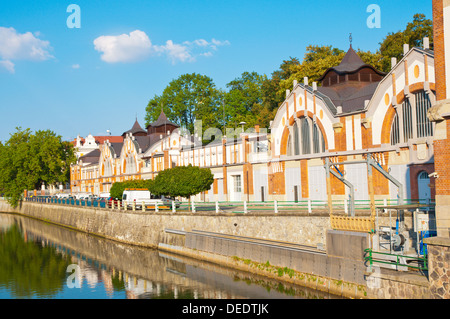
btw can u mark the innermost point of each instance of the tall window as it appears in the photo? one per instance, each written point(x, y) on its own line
point(237, 184)
point(305, 138)
point(296, 140)
point(424, 126)
point(306, 147)
point(407, 120)
point(108, 168)
point(414, 122)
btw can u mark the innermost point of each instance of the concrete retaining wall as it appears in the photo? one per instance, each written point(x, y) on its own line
point(148, 230)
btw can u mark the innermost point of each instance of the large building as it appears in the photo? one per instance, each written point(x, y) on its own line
point(356, 112)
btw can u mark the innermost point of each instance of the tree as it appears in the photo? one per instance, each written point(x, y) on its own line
point(244, 99)
point(186, 99)
point(415, 31)
point(182, 181)
point(117, 188)
point(29, 160)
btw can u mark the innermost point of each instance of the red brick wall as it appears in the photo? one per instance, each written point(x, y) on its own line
point(439, 49)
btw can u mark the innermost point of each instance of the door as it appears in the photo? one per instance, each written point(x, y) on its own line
point(423, 184)
point(317, 183)
point(220, 194)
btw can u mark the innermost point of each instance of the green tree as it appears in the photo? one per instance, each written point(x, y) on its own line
point(243, 100)
point(117, 188)
point(415, 31)
point(182, 181)
point(28, 269)
point(29, 160)
point(185, 100)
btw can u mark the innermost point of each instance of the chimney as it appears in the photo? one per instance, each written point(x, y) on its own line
point(294, 84)
point(314, 86)
point(426, 43)
point(405, 48)
point(393, 62)
point(305, 80)
point(287, 93)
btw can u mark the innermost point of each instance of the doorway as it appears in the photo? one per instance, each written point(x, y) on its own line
point(423, 185)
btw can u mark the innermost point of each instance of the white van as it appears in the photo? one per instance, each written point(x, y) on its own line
point(82, 195)
point(104, 195)
point(140, 196)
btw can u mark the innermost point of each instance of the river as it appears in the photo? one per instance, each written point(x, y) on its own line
point(40, 260)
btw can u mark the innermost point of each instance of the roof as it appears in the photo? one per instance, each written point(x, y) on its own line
point(349, 64)
point(350, 100)
point(91, 157)
point(135, 129)
point(100, 139)
point(162, 120)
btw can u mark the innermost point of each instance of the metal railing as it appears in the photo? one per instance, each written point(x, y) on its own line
point(304, 205)
point(422, 262)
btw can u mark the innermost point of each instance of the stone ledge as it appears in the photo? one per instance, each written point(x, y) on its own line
point(403, 277)
point(437, 241)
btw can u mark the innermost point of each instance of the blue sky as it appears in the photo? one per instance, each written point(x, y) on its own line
point(101, 76)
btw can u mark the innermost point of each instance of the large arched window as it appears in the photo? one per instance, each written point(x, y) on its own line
point(305, 138)
point(130, 164)
point(306, 145)
point(296, 140)
point(410, 120)
point(107, 168)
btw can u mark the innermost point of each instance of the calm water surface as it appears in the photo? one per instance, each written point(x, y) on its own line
point(44, 261)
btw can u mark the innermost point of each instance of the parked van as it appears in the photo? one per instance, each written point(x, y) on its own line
point(82, 195)
point(142, 196)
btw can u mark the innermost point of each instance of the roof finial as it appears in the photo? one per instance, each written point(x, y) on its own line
point(350, 39)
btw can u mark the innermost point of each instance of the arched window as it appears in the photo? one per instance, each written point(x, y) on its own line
point(424, 126)
point(107, 168)
point(289, 146)
point(411, 121)
point(306, 146)
point(305, 138)
point(296, 140)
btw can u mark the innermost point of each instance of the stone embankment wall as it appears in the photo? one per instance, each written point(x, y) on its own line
point(147, 229)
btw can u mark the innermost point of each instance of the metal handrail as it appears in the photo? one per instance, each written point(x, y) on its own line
point(371, 259)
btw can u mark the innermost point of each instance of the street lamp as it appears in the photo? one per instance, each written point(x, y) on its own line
point(242, 125)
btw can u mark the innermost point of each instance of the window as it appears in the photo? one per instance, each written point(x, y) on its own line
point(237, 183)
point(305, 138)
point(395, 131)
point(306, 148)
point(414, 122)
point(407, 120)
point(424, 126)
point(296, 141)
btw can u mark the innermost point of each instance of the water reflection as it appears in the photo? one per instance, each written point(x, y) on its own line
point(35, 256)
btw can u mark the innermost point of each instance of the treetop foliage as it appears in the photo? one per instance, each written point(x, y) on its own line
point(254, 98)
point(29, 160)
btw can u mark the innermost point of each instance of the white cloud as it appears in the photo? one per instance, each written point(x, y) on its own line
point(177, 52)
point(124, 48)
point(8, 65)
point(21, 46)
point(137, 46)
point(75, 66)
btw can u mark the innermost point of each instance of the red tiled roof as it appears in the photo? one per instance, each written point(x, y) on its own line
point(101, 139)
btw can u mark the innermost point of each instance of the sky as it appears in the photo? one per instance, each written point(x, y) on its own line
point(82, 67)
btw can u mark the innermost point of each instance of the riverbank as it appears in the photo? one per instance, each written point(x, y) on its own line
point(149, 229)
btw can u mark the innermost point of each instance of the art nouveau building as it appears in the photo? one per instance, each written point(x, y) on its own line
point(356, 110)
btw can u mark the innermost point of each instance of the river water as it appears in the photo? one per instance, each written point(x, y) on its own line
point(39, 260)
